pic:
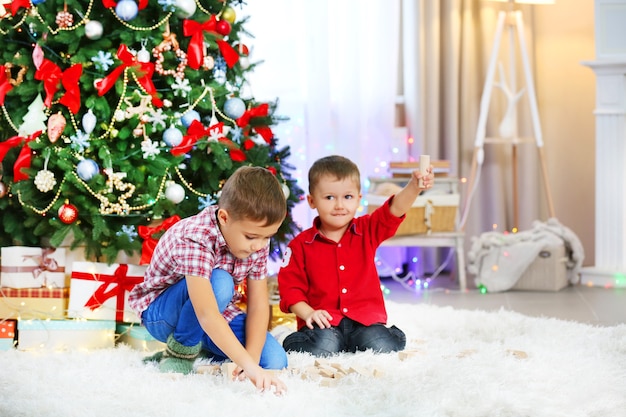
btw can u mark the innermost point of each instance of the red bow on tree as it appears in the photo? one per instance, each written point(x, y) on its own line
point(195, 51)
point(16, 4)
point(146, 70)
point(51, 75)
point(111, 3)
point(5, 84)
point(23, 159)
point(149, 241)
point(259, 111)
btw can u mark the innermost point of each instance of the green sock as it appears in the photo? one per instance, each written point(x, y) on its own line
point(179, 358)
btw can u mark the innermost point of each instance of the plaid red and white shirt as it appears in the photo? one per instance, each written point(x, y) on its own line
point(195, 246)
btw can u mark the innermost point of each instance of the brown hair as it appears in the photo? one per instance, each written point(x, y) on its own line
point(335, 166)
point(254, 193)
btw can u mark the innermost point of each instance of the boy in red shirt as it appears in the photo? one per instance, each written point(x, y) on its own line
point(328, 277)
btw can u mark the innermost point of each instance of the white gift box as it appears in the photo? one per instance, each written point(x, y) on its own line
point(99, 291)
point(28, 267)
point(65, 334)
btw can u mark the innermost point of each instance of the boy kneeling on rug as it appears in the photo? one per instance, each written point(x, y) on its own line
point(328, 276)
point(188, 298)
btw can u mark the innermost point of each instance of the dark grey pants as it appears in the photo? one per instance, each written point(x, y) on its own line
point(348, 336)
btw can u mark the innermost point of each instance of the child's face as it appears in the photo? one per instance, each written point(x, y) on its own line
point(336, 201)
point(244, 237)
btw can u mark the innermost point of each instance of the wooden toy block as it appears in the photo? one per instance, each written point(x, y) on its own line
point(465, 353)
point(519, 354)
point(209, 369)
point(340, 369)
point(227, 371)
point(327, 373)
point(378, 373)
point(321, 362)
point(328, 382)
point(406, 354)
point(361, 371)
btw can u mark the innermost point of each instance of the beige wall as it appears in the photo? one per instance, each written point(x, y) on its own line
point(566, 99)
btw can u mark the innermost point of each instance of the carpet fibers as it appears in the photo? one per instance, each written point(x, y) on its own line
point(463, 363)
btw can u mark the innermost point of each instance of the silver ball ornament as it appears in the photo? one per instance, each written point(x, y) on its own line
point(93, 30)
point(87, 169)
point(189, 117)
point(175, 193)
point(234, 107)
point(126, 10)
point(172, 136)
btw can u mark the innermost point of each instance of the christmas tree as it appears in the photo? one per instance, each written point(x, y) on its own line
point(122, 114)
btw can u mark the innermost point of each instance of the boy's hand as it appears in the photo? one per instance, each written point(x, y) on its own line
point(320, 317)
point(428, 179)
point(263, 379)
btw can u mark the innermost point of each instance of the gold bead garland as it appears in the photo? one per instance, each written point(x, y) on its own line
point(84, 20)
point(42, 212)
point(188, 185)
point(137, 28)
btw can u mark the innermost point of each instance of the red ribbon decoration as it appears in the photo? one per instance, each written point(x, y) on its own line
point(23, 158)
point(115, 285)
point(111, 3)
point(149, 242)
point(128, 60)
point(16, 4)
point(259, 111)
point(195, 131)
point(195, 50)
point(51, 75)
point(5, 85)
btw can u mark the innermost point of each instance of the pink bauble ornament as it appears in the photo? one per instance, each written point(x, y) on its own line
point(68, 213)
point(56, 125)
point(3, 190)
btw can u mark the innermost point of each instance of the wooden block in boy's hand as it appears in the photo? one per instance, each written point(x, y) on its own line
point(227, 370)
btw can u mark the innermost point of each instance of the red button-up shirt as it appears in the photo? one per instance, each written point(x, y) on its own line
point(339, 277)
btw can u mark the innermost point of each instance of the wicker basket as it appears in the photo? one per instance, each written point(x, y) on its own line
point(432, 213)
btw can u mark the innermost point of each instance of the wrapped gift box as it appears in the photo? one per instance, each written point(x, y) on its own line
point(33, 303)
point(26, 267)
point(137, 337)
point(99, 291)
point(7, 334)
point(65, 334)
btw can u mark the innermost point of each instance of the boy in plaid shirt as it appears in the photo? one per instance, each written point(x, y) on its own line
point(188, 298)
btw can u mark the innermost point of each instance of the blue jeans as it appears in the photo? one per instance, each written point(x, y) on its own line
point(172, 313)
point(347, 336)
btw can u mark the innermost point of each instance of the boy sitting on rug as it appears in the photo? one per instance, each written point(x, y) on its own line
point(328, 277)
point(188, 298)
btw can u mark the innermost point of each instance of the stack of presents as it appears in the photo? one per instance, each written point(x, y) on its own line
point(54, 299)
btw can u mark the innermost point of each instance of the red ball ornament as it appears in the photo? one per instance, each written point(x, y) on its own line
point(68, 213)
point(241, 48)
point(222, 27)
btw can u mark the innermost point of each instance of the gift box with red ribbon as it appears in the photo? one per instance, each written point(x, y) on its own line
point(99, 291)
point(28, 267)
point(33, 303)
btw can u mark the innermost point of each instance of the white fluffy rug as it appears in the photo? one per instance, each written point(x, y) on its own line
point(470, 364)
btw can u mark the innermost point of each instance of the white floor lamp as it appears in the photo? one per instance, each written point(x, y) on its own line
point(508, 132)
